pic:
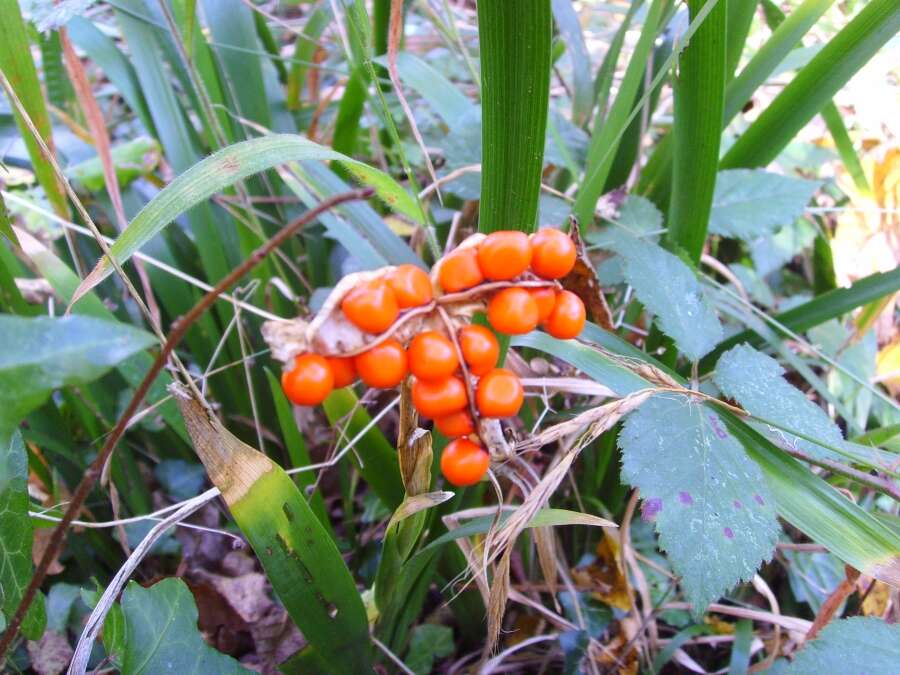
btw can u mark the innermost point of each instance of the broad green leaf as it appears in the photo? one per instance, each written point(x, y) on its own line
point(428, 642)
point(41, 354)
point(815, 85)
point(64, 282)
point(801, 497)
point(748, 203)
point(757, 383)
point(712, 507)
point(15, 544)
point(859, 644)
point(637, 217)
point(299, 557)
point(226, 167)
point(161, 633)
point(515, 90)
point(133, 159)
point(670, 289)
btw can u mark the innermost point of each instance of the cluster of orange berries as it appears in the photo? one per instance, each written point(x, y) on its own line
point(438, 392)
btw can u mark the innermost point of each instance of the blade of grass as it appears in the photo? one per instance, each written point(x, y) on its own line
point(699, 102)
point(815, 85)
point(603, 81)
point(515, 91)
point(225, 168)
point(16, 62)
point(740, 18)
point(655, 181)
point(820, 309)
point(844, 145)
point(582, 85)
point(304, 49)
point(608, 131)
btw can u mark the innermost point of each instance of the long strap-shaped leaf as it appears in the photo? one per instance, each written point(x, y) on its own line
point(815, 85)
point(226, 167)
point(515, 89)
point(300, 558)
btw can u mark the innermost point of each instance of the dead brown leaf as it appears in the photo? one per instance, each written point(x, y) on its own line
point(41, 540)
point(51, 654)
point(605, 575)
point(584, 283)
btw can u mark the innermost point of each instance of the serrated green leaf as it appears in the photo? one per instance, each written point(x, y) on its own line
point(670, 289)
point(15, 544)
point(161, 633)
point(748, 203)
point(428, 642)
point(228, 166)
point(43, 353)
point(859, 645)
point(712, 507)
point(756, 382)
point(638, 217)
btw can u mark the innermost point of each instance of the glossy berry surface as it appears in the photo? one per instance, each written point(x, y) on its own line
point(371, 306)
point(479, 347)
point(460, 271)
point(309, 381)
point(432, 356)
point(464, 463)
point(455, 424)
point(383, 366)
point(499, 394)
point(439, 398)
point(504, 255)
point(545, 298)
point(513, 311)
point(344, 371)
point(567, 318)
point(411, 286)
point(552, 254)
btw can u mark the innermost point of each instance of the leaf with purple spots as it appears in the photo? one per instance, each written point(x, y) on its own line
point(756, 381)
point(709, 501)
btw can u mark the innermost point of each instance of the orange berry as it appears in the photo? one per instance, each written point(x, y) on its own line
point(460, 270)
point(411, 285)
point(553, 254)
point(504, 255)
point(371, 307)
point(439, 398)
point(464, 463)
point(545, 299)
point(383, 366)
point(310, 380)
point(567, 318)
point(455, 424)
point(499, 394)
point(344, 371)
point(432, 356)
point(479, 348)
point(513, 311)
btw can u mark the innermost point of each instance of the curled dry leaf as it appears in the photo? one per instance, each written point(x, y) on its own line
point(584, 283)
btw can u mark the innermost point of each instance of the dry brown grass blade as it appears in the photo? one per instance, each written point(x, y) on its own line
point(100, 139)
point(503, 540)
point(544, 541)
